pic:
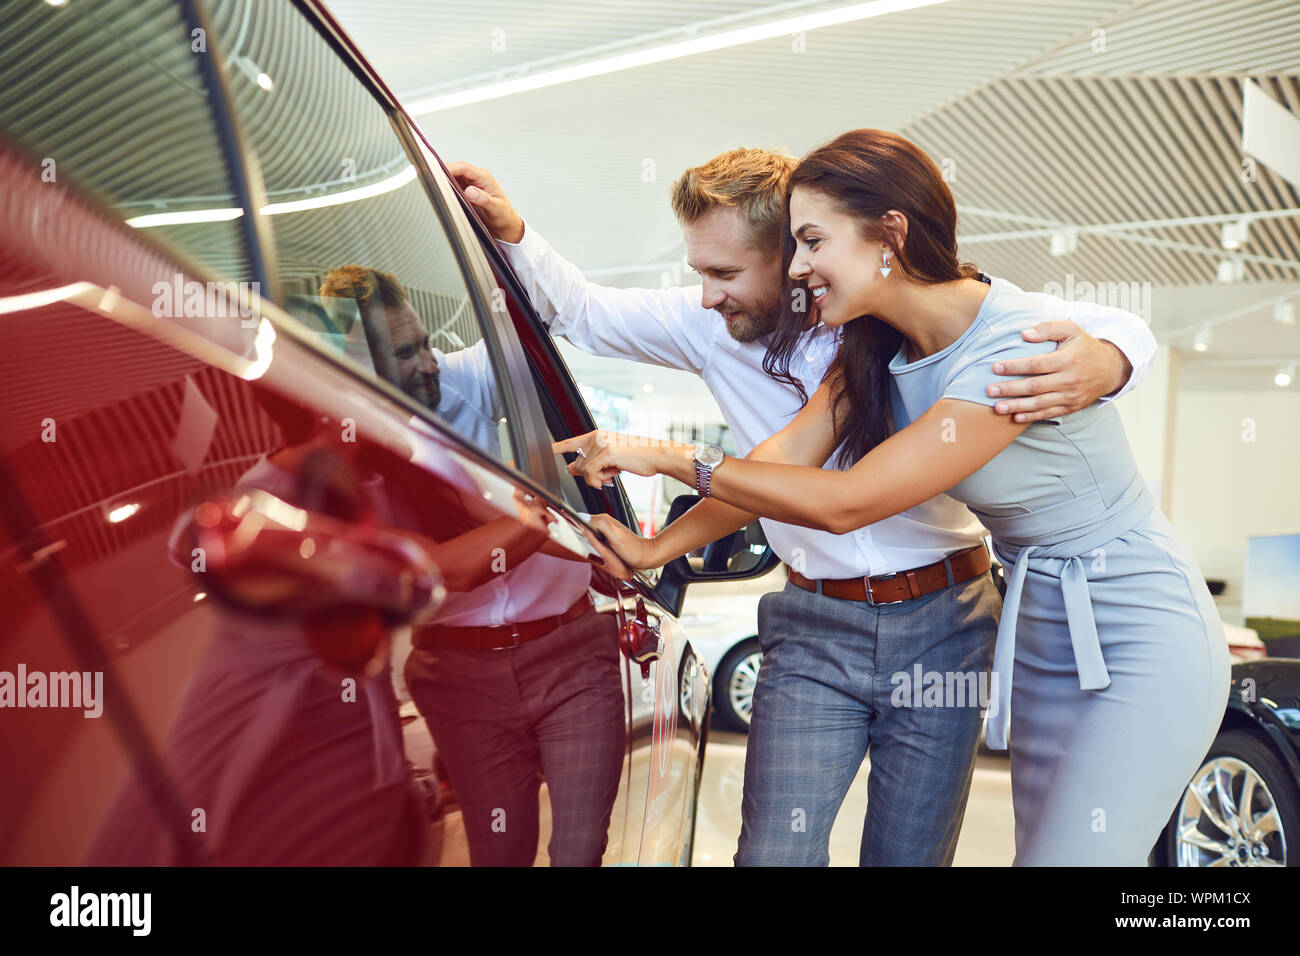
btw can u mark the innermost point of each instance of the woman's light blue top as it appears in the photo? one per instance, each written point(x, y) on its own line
point(1062, 489)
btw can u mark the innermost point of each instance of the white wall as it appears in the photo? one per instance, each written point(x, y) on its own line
point(1145, 413)
point(1224, 464)
point(1228, 486)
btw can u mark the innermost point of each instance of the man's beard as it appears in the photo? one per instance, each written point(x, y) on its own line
point(426, 389)
point(757, 322)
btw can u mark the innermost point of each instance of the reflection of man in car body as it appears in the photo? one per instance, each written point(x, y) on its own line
point(287, 770)
point(518, 679)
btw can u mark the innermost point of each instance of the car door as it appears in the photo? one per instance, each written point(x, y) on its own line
point(531, 442)
point(174, 363)
point(669, 689)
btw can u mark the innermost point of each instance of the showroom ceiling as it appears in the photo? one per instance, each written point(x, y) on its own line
point(1052, 114)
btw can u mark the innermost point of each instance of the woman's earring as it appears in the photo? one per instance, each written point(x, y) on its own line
point(884, 268)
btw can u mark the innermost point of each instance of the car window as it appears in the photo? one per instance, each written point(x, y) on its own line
point(112, 96)
point(559, 411)
point(362, 258)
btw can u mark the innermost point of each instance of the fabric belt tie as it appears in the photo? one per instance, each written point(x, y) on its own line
point(1088, 658)
point(1012, 536)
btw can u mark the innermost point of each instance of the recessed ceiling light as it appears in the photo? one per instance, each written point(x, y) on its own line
point(666, 51)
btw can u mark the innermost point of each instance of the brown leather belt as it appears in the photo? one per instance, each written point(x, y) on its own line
point(496, 637)
point(902, 585)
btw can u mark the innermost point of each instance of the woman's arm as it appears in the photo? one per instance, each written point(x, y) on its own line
point(808, 439)
point(950, 442)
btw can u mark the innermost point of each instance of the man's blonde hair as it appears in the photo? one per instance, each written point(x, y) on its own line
point(751, 180)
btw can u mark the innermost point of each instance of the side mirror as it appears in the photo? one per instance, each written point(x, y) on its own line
point(739, 556)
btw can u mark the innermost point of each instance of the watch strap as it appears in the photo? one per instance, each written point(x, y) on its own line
point(703, 479)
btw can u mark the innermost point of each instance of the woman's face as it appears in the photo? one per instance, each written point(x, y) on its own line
point(840, 268)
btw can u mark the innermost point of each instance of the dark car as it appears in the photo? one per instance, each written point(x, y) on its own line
point(1242, 807)
point(274, 409)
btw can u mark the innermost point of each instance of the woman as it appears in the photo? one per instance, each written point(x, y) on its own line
point(1111, 668)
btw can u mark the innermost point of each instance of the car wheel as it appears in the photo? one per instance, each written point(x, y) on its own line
point(1241, 808)
point(733, 688)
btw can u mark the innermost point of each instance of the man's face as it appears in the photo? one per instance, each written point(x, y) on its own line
point(417, 369)
point(741, 282)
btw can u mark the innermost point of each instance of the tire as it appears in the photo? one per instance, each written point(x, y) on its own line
point(739, 666)
point(1241, 757)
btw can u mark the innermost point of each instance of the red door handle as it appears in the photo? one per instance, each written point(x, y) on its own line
point(262, 554)
point(640, 640)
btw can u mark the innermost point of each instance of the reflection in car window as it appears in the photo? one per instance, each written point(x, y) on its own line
point(111, 95)
point(364, 261)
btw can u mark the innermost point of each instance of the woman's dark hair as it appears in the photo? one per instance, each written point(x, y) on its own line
point(866, 173)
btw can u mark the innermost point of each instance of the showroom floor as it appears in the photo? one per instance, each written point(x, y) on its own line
point(987, 834)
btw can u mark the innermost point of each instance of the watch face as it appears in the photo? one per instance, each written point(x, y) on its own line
point(709, 455)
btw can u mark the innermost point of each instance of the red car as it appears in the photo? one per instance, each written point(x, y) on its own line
point(274, 411)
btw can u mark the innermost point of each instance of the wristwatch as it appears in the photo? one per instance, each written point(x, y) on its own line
point(706, 458)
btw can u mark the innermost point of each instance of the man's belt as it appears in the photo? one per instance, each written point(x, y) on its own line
point(902, 585)
point(498, 636)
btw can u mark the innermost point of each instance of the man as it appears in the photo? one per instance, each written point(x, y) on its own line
point(494, 674)
point(910, 594)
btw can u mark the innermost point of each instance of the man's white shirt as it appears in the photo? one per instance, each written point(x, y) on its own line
point(669, 327)
point(541, 585)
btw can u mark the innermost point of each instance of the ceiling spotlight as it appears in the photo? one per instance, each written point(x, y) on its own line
point(1234, 234)
point(1065, 241)
point(253, 72)
point(1284, 375)
point(122, 512)
point(1202, 341)
point(1284, 313)
point(1232, 270)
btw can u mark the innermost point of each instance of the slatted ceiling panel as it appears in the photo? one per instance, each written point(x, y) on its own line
point(309, 241)
point(1124, 154)
point(426, 45)
point(1186, 36)
point(43, 378)
point(86, 84)
point(429, 48)
point(570, 156)
point(112, 452)
point(303, 129)
point(203, 243)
